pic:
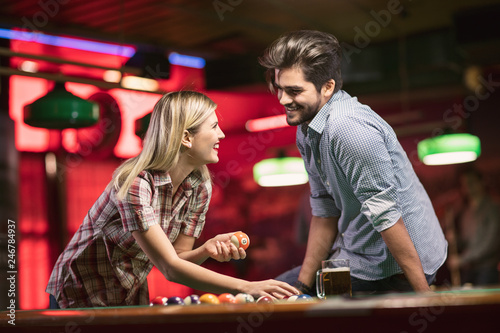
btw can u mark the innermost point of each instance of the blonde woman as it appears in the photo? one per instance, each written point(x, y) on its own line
point(150, 214)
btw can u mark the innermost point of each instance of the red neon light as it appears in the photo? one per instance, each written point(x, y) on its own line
point(34, 271)
point(24, 90)
point(59, 313)
point(267, 123)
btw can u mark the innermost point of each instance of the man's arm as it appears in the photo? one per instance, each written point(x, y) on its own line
point(402, 249)
point(322, 234)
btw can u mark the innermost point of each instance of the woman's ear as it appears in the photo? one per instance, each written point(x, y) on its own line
point(187, 139)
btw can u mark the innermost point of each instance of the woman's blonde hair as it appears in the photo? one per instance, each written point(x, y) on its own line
point(173, 114)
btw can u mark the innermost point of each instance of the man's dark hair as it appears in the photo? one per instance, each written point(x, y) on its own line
point(317, 53)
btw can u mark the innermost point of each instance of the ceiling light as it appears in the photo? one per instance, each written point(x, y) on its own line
point(449, 149)
point(140, 83)
point(73, 43)
point(280, 171)
point(61, 109)
point(186, 60)
point(112, 76)
point(266, 123)
point(28, 66)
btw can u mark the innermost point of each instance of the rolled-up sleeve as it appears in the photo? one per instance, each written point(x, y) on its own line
point(368, 168)
point(136, 209)
point(323, 206)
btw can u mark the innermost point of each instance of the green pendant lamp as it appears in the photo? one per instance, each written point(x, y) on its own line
point(449, 149)
point(60, 109)
point(280, 171)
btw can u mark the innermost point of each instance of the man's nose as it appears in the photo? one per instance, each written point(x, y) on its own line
point(284, 98)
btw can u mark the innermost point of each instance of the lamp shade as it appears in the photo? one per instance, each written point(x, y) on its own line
point(280, 171)
point(60, 109)
point(449, 149)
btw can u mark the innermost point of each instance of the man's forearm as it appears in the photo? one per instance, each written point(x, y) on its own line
point(322, 234)
point(402, 249)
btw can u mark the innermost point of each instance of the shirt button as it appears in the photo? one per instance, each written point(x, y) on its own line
point(327, 183)
point(342, 234)
point(319, 161)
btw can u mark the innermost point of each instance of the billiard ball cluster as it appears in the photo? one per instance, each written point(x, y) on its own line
point(240, 298)
point(299, 298)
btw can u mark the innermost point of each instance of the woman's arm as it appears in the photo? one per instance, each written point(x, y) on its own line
point(161, 252)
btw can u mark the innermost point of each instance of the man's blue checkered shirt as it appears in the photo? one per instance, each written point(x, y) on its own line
point(359, 171)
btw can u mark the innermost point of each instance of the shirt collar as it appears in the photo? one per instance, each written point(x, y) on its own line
point(319, 120)
point(191, 181)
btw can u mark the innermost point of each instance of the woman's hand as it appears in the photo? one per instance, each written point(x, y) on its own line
point(271, 288)
point(222, 249)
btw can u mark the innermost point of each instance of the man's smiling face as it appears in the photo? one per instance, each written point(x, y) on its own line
point(299, 97)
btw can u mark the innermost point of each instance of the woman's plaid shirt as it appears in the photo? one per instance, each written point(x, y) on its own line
point(103, 265)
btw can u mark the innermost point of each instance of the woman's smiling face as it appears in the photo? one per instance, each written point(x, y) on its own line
point(205, 142)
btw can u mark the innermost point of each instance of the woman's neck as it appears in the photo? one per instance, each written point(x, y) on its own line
point(179, 173)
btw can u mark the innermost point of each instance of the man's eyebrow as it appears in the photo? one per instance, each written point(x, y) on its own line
point(294, 88)
point(288, 87)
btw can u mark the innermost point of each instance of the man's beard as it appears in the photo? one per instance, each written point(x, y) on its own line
point(302, 114)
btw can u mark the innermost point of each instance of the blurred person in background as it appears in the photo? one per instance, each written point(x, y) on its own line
point(475, 231)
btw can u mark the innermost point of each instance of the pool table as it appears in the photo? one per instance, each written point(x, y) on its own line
point(455, 310)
